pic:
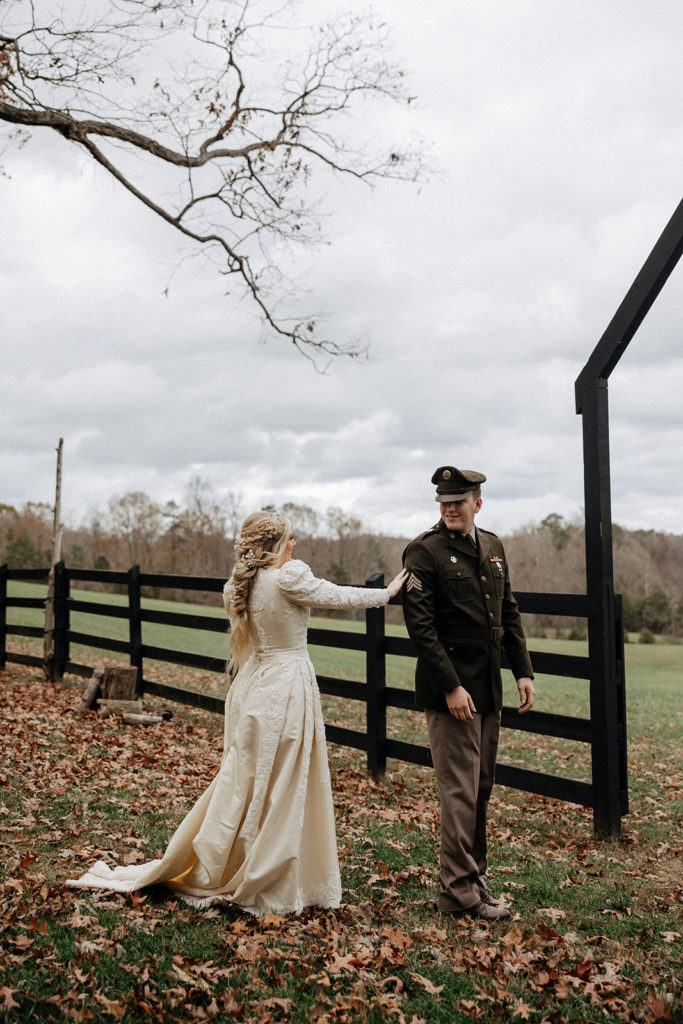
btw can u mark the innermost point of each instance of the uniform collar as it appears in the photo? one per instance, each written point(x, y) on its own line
point(458, 540)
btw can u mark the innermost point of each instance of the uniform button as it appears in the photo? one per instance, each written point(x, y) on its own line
point(487, 596)
point(484, 579)
point(490, 615)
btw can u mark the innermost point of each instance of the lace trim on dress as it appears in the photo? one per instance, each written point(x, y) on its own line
point(328, 897)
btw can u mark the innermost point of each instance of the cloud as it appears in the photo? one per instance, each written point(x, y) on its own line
point(558, 144)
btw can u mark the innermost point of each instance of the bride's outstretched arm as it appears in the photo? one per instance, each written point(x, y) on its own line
point(301, 586)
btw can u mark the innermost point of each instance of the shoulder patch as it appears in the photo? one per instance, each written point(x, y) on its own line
point(413, 582)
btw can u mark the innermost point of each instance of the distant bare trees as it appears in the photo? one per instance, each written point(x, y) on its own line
point(196, 538)
point(648, 569)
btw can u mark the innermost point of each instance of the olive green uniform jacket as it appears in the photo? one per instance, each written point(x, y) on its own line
point(460, 611)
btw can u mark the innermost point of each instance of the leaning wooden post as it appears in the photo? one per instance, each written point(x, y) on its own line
point(48, 637)
point(376, 679)
point(3, 615)
point(135, 624)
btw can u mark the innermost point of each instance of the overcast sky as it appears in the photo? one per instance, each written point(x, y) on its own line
point(556, 133)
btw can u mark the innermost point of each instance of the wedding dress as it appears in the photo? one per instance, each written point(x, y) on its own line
point(262, 835)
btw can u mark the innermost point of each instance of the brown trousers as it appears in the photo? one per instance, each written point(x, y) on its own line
point(464, 755)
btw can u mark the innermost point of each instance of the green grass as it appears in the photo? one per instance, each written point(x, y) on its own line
point(655, 669)
point(596, 934)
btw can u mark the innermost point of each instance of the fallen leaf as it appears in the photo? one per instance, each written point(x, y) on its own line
point(189, 979)
point(112, 1007)
point(554, 913)
point(428, 985)
point(89, 947)
point(7, 997)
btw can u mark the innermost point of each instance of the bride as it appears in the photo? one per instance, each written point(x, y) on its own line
point(262, 835)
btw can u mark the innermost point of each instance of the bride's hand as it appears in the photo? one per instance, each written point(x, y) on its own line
point(397, 583)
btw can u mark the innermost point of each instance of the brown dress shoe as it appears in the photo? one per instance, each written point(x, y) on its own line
point(482, 911)
point(487, 912)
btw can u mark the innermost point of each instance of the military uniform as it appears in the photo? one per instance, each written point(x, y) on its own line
point(460, 612)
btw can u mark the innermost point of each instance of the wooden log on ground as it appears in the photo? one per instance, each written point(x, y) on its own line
point(141, 719)
point(119, 682)
point(92, 691)
point(105, 708)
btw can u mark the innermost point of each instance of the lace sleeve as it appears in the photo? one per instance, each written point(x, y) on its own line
point(301, 586)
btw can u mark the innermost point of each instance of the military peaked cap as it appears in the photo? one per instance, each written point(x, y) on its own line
point(455, 484)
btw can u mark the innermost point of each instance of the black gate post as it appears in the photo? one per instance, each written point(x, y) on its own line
point(605, 755)
point(605, 628)
point(135, 624)
point(61, 622)
point(376, 678)
point(3, 615)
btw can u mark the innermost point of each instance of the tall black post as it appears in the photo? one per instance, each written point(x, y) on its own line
point(376, 678)
point(602, 641)
point(135, 624)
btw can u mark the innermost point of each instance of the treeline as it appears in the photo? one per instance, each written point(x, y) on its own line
point(648, 572)
point(196, 538)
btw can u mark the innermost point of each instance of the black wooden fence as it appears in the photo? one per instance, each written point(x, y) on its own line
point(374, 692)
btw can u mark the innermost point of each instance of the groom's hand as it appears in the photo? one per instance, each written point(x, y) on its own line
point(460, 704)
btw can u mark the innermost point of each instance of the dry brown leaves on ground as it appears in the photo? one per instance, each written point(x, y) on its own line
point(595, 934)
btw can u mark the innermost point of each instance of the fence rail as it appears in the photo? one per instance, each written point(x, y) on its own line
point(374, 692)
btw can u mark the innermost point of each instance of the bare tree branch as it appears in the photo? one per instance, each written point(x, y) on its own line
point(202, 88)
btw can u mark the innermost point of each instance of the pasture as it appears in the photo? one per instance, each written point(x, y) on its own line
point(596, 931)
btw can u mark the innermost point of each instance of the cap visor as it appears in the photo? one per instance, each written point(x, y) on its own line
point(445, 499)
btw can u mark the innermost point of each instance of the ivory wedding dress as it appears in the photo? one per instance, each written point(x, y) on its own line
point(262, 835)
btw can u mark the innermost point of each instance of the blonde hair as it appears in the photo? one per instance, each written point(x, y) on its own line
point(261, 543)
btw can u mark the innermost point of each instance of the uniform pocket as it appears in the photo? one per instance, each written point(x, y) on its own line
point(461, 587)
point(459, 650)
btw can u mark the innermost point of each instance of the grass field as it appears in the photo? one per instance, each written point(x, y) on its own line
point(655, 669)
point(596, 933)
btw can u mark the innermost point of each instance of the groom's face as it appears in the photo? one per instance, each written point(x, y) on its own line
point(459, 515)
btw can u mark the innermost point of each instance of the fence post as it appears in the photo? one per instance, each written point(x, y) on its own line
point(602, 642)
point(61, 622)
point(376, 678)
point(135, 624)
point(621, 701)
point(3, 615)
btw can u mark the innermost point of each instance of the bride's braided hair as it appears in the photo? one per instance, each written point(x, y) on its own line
point(261, 543)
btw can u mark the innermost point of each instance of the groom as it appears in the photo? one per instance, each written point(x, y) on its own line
point(460, 611)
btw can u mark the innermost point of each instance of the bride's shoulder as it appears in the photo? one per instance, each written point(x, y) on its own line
point(293, 571)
